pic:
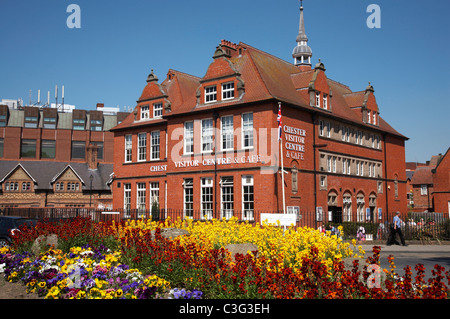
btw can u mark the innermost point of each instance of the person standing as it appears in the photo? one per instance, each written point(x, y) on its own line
point(396, 229)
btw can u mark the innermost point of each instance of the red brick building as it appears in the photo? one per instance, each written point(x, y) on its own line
point(51, 158)
point(441, 183)
point(209, 146)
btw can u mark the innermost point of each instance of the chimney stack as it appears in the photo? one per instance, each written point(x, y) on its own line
point(92, 156)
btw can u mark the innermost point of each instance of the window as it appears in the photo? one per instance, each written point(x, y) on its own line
point(370, 169)
point(378, 142)
point(329, 163)
point(344, 166)
point(348, 166)
point(357, 168)
point(127, 199)
point(154, 193)
point(318, 99)
point(347, 209)
point(128, 148)
point(334, 164)
point(188, 137)
point(28, 149)
point(142, 146)
point(207, 135)
point(247, 130)
point(362, 169)
point(207, 198)
point(423, 190)
point(96, 125)
point(374, 118)
point(247, 197)
point(320, 128)
point(360, 208)
point(368, 117)
point(360, 138)
point(373, 140)
point(210, 94)
point(145, 112)
point(228, 91)
point(2, 146)
point(141, 194)
point(323, 182)
point(227, 133)
point(155, 146)
point(157, 110)
point(188, 197)
point(48, 149)
point(325, 101)
point(50, 122)
point(26, 186)
point(78, 124)
point(78, 149)
point(328, 129)
point(343, 132)
point(226, 184)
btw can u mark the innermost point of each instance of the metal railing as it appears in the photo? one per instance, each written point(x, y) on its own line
point(416, 226)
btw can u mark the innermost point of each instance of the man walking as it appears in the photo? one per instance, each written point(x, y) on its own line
point(396, 229)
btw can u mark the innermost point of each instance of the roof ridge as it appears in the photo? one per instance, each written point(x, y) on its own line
point(184, 73)
point(266, 53)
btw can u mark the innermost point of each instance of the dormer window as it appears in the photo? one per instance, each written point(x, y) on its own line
point(145, 112)
point(318, 99)
point(368, 117)
point(157, 110)
point(374, 118)
point(325, 101)
point(227, 91)
point(210, 94)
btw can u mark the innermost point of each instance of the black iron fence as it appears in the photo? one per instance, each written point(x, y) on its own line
point(416, 226)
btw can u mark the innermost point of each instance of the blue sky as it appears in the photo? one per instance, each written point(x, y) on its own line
point(108, 59)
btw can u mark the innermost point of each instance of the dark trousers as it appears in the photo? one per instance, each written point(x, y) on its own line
point(392, 234)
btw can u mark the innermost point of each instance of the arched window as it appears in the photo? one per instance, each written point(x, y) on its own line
point(347, 206)
point(360, 207)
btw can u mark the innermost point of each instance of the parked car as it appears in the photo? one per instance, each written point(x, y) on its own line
point(11, 224)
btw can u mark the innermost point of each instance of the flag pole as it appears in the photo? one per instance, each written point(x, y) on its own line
point(280, 139)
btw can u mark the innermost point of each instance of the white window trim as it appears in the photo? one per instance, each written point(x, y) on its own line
point(151, 146)
point(142, 150)
point(210, 94)
point(157, 109)
point(129, 149)
point(227, 90)
point(212, 136)
point(242, 130)
point(245, 183)
point(222, 133)
point(185, 139)
point(145, 114)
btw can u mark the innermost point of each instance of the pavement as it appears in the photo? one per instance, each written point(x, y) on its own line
point(413, 254)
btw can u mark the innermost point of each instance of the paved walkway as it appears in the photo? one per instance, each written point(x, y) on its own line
point(413, 254)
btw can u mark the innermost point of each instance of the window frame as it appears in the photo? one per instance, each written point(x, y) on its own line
point(227, 133)
point(227, 92)
point(247, 133)
point(188, 139)
point(210, 94)
point(142, 147)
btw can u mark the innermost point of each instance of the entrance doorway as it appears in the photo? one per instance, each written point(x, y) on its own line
point(336, 214)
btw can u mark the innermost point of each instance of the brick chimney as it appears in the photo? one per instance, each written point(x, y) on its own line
point(92, 156)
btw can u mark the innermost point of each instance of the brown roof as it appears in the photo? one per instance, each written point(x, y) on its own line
point(422, 176)
point(265, 77)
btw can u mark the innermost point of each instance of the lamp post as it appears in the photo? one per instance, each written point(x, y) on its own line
point(90, 197)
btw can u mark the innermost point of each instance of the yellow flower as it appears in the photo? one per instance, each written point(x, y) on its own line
point(119, 293)
point(42, 284)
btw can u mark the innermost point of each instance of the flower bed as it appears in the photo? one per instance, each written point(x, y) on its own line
point(133, 260)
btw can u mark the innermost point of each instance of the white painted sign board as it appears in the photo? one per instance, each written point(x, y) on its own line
point(285, 219)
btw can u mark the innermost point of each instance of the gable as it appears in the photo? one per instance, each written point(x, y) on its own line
point(67, 174)
point(220, 67)
point(18, 173)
